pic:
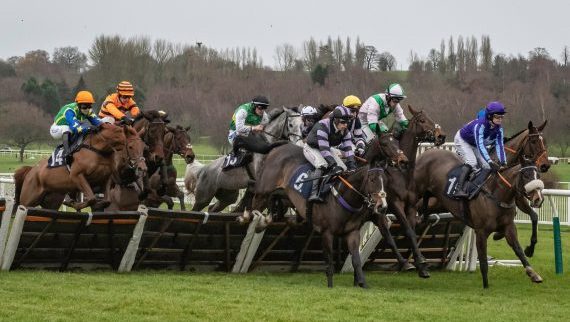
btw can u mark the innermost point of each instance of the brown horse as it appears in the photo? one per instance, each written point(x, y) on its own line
point(400, 187)
point(93, 165)
point(493, 210)
point(129, 163)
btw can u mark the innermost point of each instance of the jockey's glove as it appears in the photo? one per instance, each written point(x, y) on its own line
point(127, 120)
point(494, 166)
point(336, 170)
point(382, 128)
point(359, 151)
point(351, 165)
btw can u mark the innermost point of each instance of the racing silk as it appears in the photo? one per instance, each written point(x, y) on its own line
point(479, 134)
point(306, 129)
point(325, 135)
point(355, 127)
point(376, 108)
point(71, 116)
point(244, 118)
point(113, 107)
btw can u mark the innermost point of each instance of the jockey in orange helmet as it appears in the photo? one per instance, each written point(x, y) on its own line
point(117, 104)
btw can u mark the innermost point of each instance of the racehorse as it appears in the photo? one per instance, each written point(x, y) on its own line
point(493, 210)
point(285, 124)
point(527, 144)
point(400, 190)
point(343, 211)
point(129, 165)
point(94, 164)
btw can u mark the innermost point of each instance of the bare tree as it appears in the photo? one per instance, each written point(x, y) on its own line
point(565, 56)
point(70, 58)
point(461, 56)
point(370, 56)
point(285, 57)
point(22, 131)
point(386, 61)
point(486, 53)
point(451, 57)
point(310, 53)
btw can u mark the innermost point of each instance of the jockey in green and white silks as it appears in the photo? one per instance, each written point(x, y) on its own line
point(378, 107)
point(249, 117)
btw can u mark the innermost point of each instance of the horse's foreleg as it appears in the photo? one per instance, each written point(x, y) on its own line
point(83, 185)
point(482, 254)
point(419, 260)
point(353, 241)
point(512, 240)
point(525, 207)
point(384, 226)
point(327, 240)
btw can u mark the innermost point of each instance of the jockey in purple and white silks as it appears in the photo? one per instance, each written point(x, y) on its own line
point(472, 140)
point(378, 107)
point(326, 134)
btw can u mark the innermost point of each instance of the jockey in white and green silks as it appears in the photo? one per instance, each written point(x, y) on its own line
point(378, 107)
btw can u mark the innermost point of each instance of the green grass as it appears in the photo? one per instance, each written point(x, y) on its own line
point(165, 295)
point(562, 171)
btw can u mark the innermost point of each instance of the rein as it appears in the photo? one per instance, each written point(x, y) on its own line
point(365, 199)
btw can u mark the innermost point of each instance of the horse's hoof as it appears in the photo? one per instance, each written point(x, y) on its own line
point(528, 251)
point(406, 267)
point(423, 274)
point(498, 236)
point(534, 277)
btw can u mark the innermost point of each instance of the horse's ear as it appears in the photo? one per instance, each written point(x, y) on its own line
point(171, 129)
point(187, 128)
point(414, 112)
point(530, 125)
point(541, 127)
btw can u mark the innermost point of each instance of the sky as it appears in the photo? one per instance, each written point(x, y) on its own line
point(515, 27)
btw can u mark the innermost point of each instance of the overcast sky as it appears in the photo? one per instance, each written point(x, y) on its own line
point(395, 26)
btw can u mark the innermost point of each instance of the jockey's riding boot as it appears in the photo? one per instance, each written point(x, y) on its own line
point(66, 154)
point(316, 189)
point(460, 188)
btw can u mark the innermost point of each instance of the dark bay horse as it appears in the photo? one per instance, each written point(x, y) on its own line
point(493, 210)
point(93, 166)
point(176, 141)
point(212, 182)
point(527, 144)
point(400, 187)
point(361, 190)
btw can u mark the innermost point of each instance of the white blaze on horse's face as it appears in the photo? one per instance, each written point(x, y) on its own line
point(534, 187)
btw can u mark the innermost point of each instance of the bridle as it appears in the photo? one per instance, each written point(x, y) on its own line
point(429, 135)
point(284, 132)
point(508, 185)
point(520, 151)
point(367, 200)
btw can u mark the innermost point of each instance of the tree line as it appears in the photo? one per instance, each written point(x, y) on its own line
point(202, 86)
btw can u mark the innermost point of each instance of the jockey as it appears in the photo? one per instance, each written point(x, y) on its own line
point(310, 116)
point(377, 107)
point(117, 104)
point(472, 140)
point(327, 133)
point(355, 126)
point(75, 118)
point(248, 117)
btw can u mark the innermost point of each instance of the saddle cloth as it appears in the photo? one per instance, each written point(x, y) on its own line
point(56, 159)
point(240, 159)
point(473, 184)
point(301, 181)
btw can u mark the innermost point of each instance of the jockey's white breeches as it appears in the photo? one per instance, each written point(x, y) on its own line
point(317, 160)
point(468, 153)
point(57, 131)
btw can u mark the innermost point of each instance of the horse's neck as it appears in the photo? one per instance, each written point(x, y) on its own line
point(513, 147)
point(499, 189)
point(275, 128)
point(168, 147)
point(98, 142)
point(409, 145)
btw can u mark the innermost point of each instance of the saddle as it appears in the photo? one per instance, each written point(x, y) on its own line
point(473, 184)
point(56, 159)
point(302, 182)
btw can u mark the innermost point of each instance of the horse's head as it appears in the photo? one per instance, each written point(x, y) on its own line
point(529, 183)
point(133, 154)
point(385, 147)
point(153, 134)
point(181, 143)
point(375, 189)
point(535, 147)
point(424, 128)
point(285, 124)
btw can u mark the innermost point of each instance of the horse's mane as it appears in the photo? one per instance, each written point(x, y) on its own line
point(506, 139)
point(275, 112)
point(149, 114)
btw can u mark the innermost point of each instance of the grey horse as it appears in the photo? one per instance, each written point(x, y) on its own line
point(212, 182)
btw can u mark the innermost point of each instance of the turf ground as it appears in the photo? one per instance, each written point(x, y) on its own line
point(167, 295)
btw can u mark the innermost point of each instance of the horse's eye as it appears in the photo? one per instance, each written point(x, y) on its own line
point(422, 121)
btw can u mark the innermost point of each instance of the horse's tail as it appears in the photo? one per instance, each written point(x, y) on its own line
point(193, 172)
point(19, 177)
